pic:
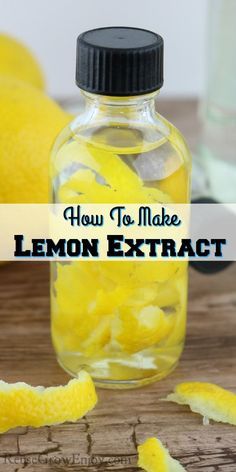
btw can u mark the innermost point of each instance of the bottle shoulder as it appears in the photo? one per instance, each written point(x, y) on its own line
point(126, 153)
point(122, 136)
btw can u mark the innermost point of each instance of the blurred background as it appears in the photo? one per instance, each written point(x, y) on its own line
point(199, 93)
point(50, 29)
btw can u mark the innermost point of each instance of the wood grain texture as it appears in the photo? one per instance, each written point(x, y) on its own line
point(106, 440)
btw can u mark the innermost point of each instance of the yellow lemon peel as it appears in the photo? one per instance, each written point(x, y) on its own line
point(126, 306)
point(209, 400)
point(120, 308)
point(24, 405)
point(136, 330)
point(154, 457)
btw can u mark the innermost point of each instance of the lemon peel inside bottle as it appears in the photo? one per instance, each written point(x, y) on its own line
point(122, 321)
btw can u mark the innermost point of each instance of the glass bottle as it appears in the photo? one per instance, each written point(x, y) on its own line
point(122, 321)
point(214, 171)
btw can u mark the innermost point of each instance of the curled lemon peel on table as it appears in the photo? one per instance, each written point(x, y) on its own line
point(24, 405)
point(209, 400)
point(154, 457)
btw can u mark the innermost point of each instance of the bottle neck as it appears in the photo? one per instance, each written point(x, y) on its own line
point(135, 108)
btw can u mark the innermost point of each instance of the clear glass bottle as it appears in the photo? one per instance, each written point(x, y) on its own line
point(214, 172)
point(122, 321)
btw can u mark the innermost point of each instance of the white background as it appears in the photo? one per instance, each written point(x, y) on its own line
point(50, 28)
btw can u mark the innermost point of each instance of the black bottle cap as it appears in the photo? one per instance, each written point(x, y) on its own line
point(119, 61)
point(209, 267)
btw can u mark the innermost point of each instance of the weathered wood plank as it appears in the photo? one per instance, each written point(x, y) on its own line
point(111, 432)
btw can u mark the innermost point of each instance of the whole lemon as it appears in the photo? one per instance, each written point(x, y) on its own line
point(29, 124)
point(17, 61)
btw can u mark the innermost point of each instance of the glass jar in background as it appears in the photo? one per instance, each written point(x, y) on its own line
point(214, 171)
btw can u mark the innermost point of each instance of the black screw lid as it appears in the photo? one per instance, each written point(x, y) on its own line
point(209, 267)
point(119, 61)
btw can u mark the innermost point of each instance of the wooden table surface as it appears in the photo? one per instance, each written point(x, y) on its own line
point(107, 438)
